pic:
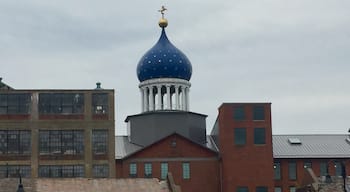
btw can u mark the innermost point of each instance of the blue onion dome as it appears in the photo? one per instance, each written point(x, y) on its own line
point(164, 60)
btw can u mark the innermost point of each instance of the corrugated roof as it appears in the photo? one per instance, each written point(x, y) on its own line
point(123, 147)
point(211, 144)
point(311, 146)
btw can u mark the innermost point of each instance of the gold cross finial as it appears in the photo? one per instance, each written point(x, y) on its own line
point(162, 10)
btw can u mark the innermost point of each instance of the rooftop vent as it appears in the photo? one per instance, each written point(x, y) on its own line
point(294, 141)
point(98, 86)
point(347, 140)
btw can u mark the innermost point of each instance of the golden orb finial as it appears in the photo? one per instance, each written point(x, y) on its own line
point(163, 22)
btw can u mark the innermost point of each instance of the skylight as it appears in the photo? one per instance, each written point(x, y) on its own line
point(294, 141)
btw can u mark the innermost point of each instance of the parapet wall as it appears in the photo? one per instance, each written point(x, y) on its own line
point(84, 185)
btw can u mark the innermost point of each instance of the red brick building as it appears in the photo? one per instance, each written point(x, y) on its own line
point(324, 154)
point(244, 136)
point(239, 155)
point(193, 166)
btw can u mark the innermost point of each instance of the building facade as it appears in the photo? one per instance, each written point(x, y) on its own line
point(243, 134)
point(56, 133)
point(70, 133)
point(239, 155)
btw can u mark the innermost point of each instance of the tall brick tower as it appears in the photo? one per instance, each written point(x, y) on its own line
point(243, 134)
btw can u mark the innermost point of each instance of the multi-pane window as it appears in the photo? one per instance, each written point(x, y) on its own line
point(100, 103)
point(240, 136)
point(307, 165)
point(100, 171)
point(163, 170)
point(18, 103)
point(13, 170)
point(338, 168)
point(278, 189)
point(259, 136)
point(99, 141)
point(242, 189)
point(261, 189)
point(277, 170)
point(323, 169)
point(148, 169)
point(292, 170)
point(292, 189)
point(61, 103)
point(133, 170)
point(57, 171)
point(258, 113)
point(186, 171)
point(61, 142)
point(238, 113)
point(15, 142)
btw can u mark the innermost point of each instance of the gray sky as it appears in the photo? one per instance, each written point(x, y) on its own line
point(294, 54)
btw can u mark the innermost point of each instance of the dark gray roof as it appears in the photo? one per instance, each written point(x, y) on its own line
point(311, 146)
point(124, 148)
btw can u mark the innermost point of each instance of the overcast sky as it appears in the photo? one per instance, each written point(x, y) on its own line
point(294, 54)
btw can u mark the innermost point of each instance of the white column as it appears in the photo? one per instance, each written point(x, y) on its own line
point(168, 96)
point(151, 99)
point(177, 99)
point(187, 99)
point(159, 92)
point(145, 99)
point(142, 100)
point(183, 98)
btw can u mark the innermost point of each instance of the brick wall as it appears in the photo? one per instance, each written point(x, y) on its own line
point(245, 165)
point(204, 169)
point(302, 176)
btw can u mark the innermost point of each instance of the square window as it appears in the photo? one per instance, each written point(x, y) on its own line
point(238, 113)
point(259, 136)
point(258, 113)
point(100, 103)
point(240, 136)
point(100, 171)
